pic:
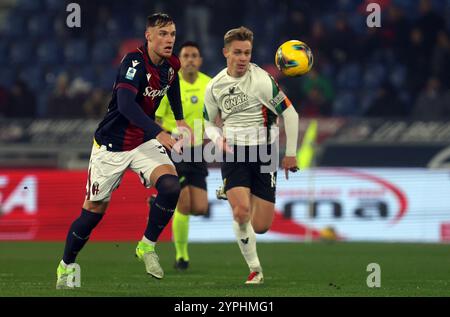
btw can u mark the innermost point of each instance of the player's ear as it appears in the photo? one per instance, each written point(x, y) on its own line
point(147, 35)
point(225, 52)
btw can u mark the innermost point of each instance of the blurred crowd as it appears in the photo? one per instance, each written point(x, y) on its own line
point(401, 69)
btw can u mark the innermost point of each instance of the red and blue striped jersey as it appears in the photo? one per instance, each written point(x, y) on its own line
point(150, 83)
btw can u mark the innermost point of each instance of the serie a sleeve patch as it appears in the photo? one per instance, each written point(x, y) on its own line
point(130, 73)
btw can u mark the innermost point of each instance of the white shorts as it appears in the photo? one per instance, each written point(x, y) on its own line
point(106, 168)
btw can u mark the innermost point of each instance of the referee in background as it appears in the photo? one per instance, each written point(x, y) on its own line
point(193, 198)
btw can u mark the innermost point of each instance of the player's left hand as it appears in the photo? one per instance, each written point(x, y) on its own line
point(289, 163)
point(185, 131)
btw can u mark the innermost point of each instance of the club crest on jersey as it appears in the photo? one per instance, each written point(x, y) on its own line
point(194, 99)
point(170, 74)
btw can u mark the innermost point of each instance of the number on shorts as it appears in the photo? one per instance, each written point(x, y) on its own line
point(161, 148)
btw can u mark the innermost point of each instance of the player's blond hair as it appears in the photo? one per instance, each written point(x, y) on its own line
point(239, 34)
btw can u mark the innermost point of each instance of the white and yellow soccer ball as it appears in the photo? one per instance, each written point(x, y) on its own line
point(294, 58)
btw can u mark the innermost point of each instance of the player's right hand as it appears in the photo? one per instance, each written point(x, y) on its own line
point(289, 164)
point(167, 141)
point(223, 145)
point(186, 132)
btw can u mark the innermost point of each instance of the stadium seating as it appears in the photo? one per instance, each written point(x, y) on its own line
point(349, 77)
point(374, 76)
point(7, 77)
point(35, 76)
point(40, 26)
point(76, 52)
point(49, 53)
point(15, 25)
point(34, 31)
point(104, 52)
point(345, 104)
point(3, 53)
point(21, 52)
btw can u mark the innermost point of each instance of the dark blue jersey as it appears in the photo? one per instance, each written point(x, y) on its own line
point(150, 83)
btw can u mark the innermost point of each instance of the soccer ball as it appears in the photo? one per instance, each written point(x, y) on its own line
point(294, 58)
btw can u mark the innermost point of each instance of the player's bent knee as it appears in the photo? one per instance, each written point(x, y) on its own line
point(199, 207)
point(198, 211)
point(184, 207)
point(98, 207)
point(168, 186)
point(241, 213)
point(261, 226)
point(261, 230)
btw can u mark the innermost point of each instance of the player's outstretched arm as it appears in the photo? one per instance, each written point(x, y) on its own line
point(185, 131)
point(274, 98)
point(134, 113)
point(289, 162)
point(167, 141)
point(174, 97)
point(128, 107)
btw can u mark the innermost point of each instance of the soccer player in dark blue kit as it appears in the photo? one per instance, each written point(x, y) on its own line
point(128, 137)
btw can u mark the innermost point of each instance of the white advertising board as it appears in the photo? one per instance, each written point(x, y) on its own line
point(405, 205)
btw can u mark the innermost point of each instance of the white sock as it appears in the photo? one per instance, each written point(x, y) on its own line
point(246, 239)
point(144, 239)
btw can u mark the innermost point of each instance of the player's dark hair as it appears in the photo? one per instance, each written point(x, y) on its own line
point(191, 44)
point(159, 19)
point(240, 34)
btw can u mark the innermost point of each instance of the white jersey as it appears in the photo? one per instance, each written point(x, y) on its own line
point(248, 105)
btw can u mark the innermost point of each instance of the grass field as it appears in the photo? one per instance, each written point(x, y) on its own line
point(290, 269)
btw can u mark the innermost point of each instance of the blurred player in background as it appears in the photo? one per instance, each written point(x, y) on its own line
point(249, 101)
point(128, 136)
point(193, 198)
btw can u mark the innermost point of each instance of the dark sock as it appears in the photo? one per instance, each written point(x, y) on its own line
point(79, 234)
point(163, 207)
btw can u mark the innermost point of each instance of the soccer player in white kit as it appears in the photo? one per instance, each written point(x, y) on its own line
point(249, 101)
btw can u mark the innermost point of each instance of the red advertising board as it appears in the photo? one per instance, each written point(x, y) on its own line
point(41, 205)
point(445, 231)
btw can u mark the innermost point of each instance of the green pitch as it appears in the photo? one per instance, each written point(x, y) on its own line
point(290, 269)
